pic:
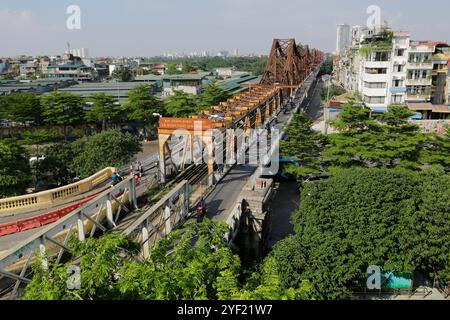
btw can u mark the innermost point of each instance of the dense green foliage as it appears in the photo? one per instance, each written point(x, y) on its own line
point(21, 107)
point(255, 65)
point(190, 264)
point(362, 217)
point(142, 105)
point(57, 166)
point(327, 67)
point(14, 169)
point(303, 146)
point(104, 109)
point(212, 95)
point(332, 92)
point(384, 205)
point(186, 265)
point(123, 74)
point(107, 149)
point(181, 104)
point(388, 141)
point(62, 108)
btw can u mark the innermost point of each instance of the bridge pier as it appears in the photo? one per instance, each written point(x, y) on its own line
point(251, 229)
point(162, 140)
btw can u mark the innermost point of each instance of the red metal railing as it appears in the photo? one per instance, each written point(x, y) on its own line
point(40, 220)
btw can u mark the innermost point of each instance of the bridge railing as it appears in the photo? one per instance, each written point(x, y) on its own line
point(102, 213)
point(49, 198)
point(166, 215)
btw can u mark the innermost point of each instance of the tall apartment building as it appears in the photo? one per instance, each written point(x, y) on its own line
point(343, 38)
point(389, 68)
point(80, 52)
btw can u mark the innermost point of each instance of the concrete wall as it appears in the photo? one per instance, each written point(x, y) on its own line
point(51, 197)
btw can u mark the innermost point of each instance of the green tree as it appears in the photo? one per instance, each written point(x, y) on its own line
point(63, 108)
point(303, 146)
point(437, 150)
point(21, 107)
point(104, 109)
point(181, 104)
point(327, 67)
point(107, 149)
point(36, 138)
point(123, 74)
point(172, 69)
point(142, 105)
point(267, 285)
point(388, 141)
point(15, 174)
point(430, 225)
point(190, 264)
point(394, 218)
point(212, 96)
point(188, 67)
point(58, 163)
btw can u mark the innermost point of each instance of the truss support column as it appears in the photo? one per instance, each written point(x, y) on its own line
point(231, 146)
point(133, 195)
point(208, 141)
point(145, 244)
point(109, 212)
point(258, 123)
point(279, 100)
point(162, 139)
point(80, 227)
point(268, 113)
point(167, 216)
point(43, 254)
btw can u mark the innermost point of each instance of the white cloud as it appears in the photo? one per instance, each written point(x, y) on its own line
point(15, 20)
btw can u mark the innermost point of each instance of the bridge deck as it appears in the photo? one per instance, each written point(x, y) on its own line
point(221, 201)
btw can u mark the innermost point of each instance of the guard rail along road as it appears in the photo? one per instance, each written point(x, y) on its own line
point(46, 199)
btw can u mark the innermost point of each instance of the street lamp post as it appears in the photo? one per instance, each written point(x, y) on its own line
point(327, 80)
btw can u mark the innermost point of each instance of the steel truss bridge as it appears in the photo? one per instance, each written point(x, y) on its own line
point(288, 69)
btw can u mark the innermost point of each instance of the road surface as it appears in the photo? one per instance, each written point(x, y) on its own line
point(222, 200)
point(287, 196)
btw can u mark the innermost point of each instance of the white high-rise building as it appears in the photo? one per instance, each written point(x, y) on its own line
point(80, 52)
point(343, 38)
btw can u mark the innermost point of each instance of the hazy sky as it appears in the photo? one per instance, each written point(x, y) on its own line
point(150, 27)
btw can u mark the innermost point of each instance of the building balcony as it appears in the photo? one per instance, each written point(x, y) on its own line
point(420, 65)
point(398, 90)
point(377, 64)
point(419, 82)
point(374, 92)
point(421, 48)
point(398, 76)
point(368, 77)
point(417, 97)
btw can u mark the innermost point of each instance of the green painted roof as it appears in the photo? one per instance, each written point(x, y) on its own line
point(234, 84)
point(148, 77)
point(188, 76)
point(67, 66)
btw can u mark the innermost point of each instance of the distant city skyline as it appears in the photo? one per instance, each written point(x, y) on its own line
point(152, 28)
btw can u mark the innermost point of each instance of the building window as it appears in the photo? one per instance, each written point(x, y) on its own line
point(418, 90)
point(417, 74)
point(381, 56)
point(397, 83)
point(399, 52)
point(419, 57)
point(398, 68)
point(374, 100)
point(376, 70)
point(396, 98)
point(375, 85)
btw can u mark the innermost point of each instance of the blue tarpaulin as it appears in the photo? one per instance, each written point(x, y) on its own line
point(417, 116)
